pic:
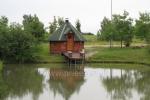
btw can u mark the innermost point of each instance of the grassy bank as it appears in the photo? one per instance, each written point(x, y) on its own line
point(45, 56)
point(106, 55)
point(0, 66)
point(123, 55)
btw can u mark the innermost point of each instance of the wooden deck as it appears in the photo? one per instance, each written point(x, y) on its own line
point(74, 58)
point(74, 55)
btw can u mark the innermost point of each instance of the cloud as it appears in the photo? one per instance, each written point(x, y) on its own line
point(90, 12)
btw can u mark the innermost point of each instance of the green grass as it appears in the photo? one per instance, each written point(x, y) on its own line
point(0, 66)
point(139, 55)
point(92, 40)
point(45, 56)
point(90, 37)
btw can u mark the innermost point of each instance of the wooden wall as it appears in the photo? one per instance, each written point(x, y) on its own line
point(78, 46)
point(59, 47)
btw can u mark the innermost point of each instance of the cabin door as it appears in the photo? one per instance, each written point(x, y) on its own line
point(70, 42)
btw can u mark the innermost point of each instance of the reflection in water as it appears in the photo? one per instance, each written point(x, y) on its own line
point(142, 84)
point(45, 83)
point(66, 82)
point(22, 81)
point(120, 86)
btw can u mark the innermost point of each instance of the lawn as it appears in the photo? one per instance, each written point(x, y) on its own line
point(91, 40)
point(139, 55)
point(45, 56)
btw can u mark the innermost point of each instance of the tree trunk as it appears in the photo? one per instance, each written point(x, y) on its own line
point(121, 43)
point(110, 43)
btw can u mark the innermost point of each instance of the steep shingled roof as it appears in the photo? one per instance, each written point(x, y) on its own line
point(60, 33)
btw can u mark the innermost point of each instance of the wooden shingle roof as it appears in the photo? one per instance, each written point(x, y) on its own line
point(60, 33)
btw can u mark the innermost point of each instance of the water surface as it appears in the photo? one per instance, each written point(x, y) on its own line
point(53, 83)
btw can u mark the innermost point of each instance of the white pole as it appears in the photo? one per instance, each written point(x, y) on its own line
point(111, 9)
point(111, 20)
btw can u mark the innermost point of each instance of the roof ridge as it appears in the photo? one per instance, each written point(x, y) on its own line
point(62, 32)
point(75, 32)
point(59, 34)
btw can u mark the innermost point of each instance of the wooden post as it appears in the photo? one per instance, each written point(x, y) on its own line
point(75, 63)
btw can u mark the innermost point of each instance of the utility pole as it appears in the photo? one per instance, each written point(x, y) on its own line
point(111, 26)
point(111, 9)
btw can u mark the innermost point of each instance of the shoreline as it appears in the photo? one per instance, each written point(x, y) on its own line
point(91, 62)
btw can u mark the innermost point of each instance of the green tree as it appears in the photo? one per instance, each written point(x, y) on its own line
point(78, 25)
point(53, 25)
point(32, 25)
point(3, 25)
point(119, 28)
point(17, 46)
point(3, 33)
point(142, 25)
point(60, 21)
point(107, 30)
point(123, 28)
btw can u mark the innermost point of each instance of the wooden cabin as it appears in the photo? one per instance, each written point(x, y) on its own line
point(66, 38)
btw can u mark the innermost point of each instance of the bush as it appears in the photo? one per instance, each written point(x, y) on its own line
point(17, 46)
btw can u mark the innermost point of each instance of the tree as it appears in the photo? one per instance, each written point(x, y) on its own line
point(78, 25)
point(3, 25)
point(16, 45)
point(32, 25)
point(53, 25)
point(3, 32)
point(60, 21)
point(107, 30)
point(123, 28)
point(142, 25)
point(119, 28)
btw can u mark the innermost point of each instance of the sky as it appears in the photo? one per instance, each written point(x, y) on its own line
point(89, 12)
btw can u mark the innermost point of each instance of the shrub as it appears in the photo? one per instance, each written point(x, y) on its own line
point(17, 46)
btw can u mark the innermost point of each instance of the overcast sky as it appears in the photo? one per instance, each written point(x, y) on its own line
point(89, 12)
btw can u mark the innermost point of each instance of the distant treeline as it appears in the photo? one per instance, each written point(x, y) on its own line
point(123, 28)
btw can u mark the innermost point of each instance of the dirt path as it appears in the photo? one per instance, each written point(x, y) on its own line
point(89, 54)
point(105, 46)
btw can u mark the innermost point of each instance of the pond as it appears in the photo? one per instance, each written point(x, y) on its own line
point(45, 82)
